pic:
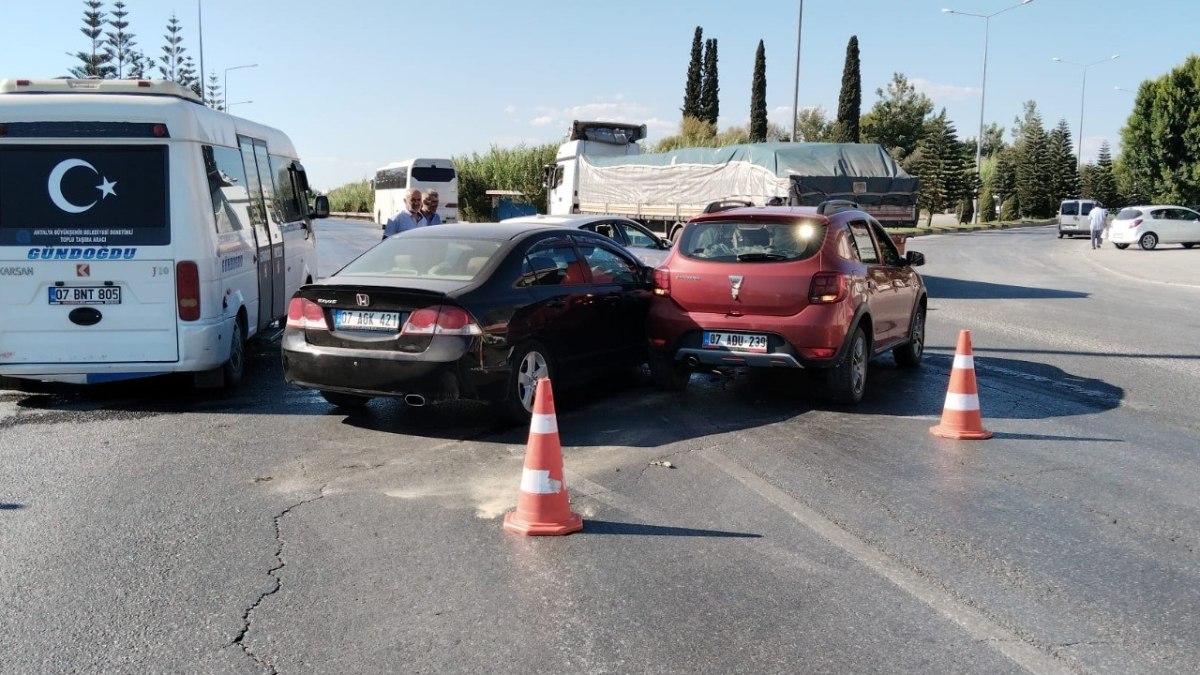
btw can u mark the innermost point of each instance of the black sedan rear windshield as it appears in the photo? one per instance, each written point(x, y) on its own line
point(426, 258)
point(752, 241)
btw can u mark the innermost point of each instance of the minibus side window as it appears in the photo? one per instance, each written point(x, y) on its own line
point(227, 187)
point(287, 200)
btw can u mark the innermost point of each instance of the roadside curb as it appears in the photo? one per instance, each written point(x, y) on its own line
point(351, 215)
point(924, 232)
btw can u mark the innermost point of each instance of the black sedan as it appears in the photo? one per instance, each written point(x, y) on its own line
point(477, 311)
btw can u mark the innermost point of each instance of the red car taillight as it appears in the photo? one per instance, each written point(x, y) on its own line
point(441, 320)
point(1136, 222)
point(306, 315)
point(187, 290)
point(827, 288)
point(662, 281)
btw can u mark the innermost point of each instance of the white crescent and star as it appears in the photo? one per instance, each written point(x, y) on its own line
point(54, 186)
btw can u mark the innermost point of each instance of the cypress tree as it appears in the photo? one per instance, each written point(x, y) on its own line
point(758, 96)
point(709, 90)
point(95, 61)
point(850, 99)
point(691, 91)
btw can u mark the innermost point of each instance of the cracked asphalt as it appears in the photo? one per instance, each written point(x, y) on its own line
point(145, 527)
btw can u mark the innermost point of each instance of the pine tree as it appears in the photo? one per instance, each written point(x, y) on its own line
point(710, 90)
point(139, 66)
point(119, 42)
point(898, 120)
point(214, 97)
point(95, 62)
point(188, 77)
point(758, 96)
point(940, 165)
point(171, 60)
point(1035, 169)
point(850, 99)
point(692, 90)
point(1106, 183)
point(1004, 177)
point(1064, 167)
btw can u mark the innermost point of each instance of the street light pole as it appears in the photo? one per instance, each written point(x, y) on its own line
point(796, 89)
point(1082, 98)
point(987, 24)
point(230, 105)
point(225, 86)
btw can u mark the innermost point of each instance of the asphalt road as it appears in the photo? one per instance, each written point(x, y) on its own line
point(148, 528)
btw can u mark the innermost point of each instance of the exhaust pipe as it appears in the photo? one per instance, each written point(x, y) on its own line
point(414, 400)
point(692, 361)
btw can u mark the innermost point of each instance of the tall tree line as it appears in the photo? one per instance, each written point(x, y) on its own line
point(112, 52)
point(701, 95)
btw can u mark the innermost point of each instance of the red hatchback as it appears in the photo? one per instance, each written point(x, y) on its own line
point(786, 287)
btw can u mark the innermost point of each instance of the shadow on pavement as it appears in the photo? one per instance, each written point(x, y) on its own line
point(961, 289)
point(1046, 437)
point(610, 527)
point(621, 411)
point(5, 506)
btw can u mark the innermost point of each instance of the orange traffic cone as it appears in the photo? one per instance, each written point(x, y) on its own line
point(961, 418)
point(543, 507)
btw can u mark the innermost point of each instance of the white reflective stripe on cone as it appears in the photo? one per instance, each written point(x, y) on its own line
point(963, 402)
point(543, 424)
point(964, 361)
point(538, 482)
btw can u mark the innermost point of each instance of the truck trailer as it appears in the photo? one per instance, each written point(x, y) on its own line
point(601, 170)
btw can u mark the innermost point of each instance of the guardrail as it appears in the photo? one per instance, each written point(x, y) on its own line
point(350, 215)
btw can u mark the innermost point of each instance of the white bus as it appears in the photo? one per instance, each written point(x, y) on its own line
point(394, 179)
point(142, 233)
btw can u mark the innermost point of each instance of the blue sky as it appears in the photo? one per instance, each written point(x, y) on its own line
point(359, 83)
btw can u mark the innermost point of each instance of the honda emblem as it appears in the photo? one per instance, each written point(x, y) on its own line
point(735, 285)
point(362, 299)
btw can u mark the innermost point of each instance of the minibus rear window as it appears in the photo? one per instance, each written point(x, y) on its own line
point(84, 195)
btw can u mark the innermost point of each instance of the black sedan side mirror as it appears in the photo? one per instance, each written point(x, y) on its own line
point(321, 208)
point(915, 258)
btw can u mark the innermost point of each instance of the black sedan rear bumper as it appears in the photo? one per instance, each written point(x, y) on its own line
point(448, 370)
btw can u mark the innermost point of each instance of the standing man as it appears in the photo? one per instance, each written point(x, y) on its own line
point(429, 204)
point(1096, 221)
point(408, 218)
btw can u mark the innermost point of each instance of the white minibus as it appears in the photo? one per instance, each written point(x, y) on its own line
point(393, 180)
point(142, 233)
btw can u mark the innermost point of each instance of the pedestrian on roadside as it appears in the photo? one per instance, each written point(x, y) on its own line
point(408, 218)
point(429, 205)
point(1096, 220)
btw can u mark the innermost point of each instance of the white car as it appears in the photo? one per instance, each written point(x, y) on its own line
point(1149, 226)
point(632, 235)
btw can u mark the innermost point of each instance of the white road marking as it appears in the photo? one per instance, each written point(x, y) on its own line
point(973, 621)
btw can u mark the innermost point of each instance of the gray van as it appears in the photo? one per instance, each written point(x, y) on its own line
point(1073, 217)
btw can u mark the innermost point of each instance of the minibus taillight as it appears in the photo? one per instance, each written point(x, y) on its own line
point(306, 315)
point(441, 320)
point(827, 288)
point(187, 290)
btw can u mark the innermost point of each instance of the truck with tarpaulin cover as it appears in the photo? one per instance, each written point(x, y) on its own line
point(601, 170)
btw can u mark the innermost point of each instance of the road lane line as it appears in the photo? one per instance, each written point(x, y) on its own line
point(973, 621)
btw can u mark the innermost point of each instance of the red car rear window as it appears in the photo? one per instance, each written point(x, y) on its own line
point(752, 241)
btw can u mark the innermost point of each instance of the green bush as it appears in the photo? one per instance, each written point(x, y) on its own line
point(353, 198)
point(1011, 209)
point(987, 207)
point(518, 168)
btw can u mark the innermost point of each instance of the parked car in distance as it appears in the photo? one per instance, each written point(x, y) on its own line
point(469, 310)
point(821, 288)
point(647, 246)
point(1149, 226)
point(1073, 217)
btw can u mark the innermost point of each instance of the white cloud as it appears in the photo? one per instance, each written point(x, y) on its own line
point(542, 121)
point(510, 110)
point(942, 93)
point(613, 109)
